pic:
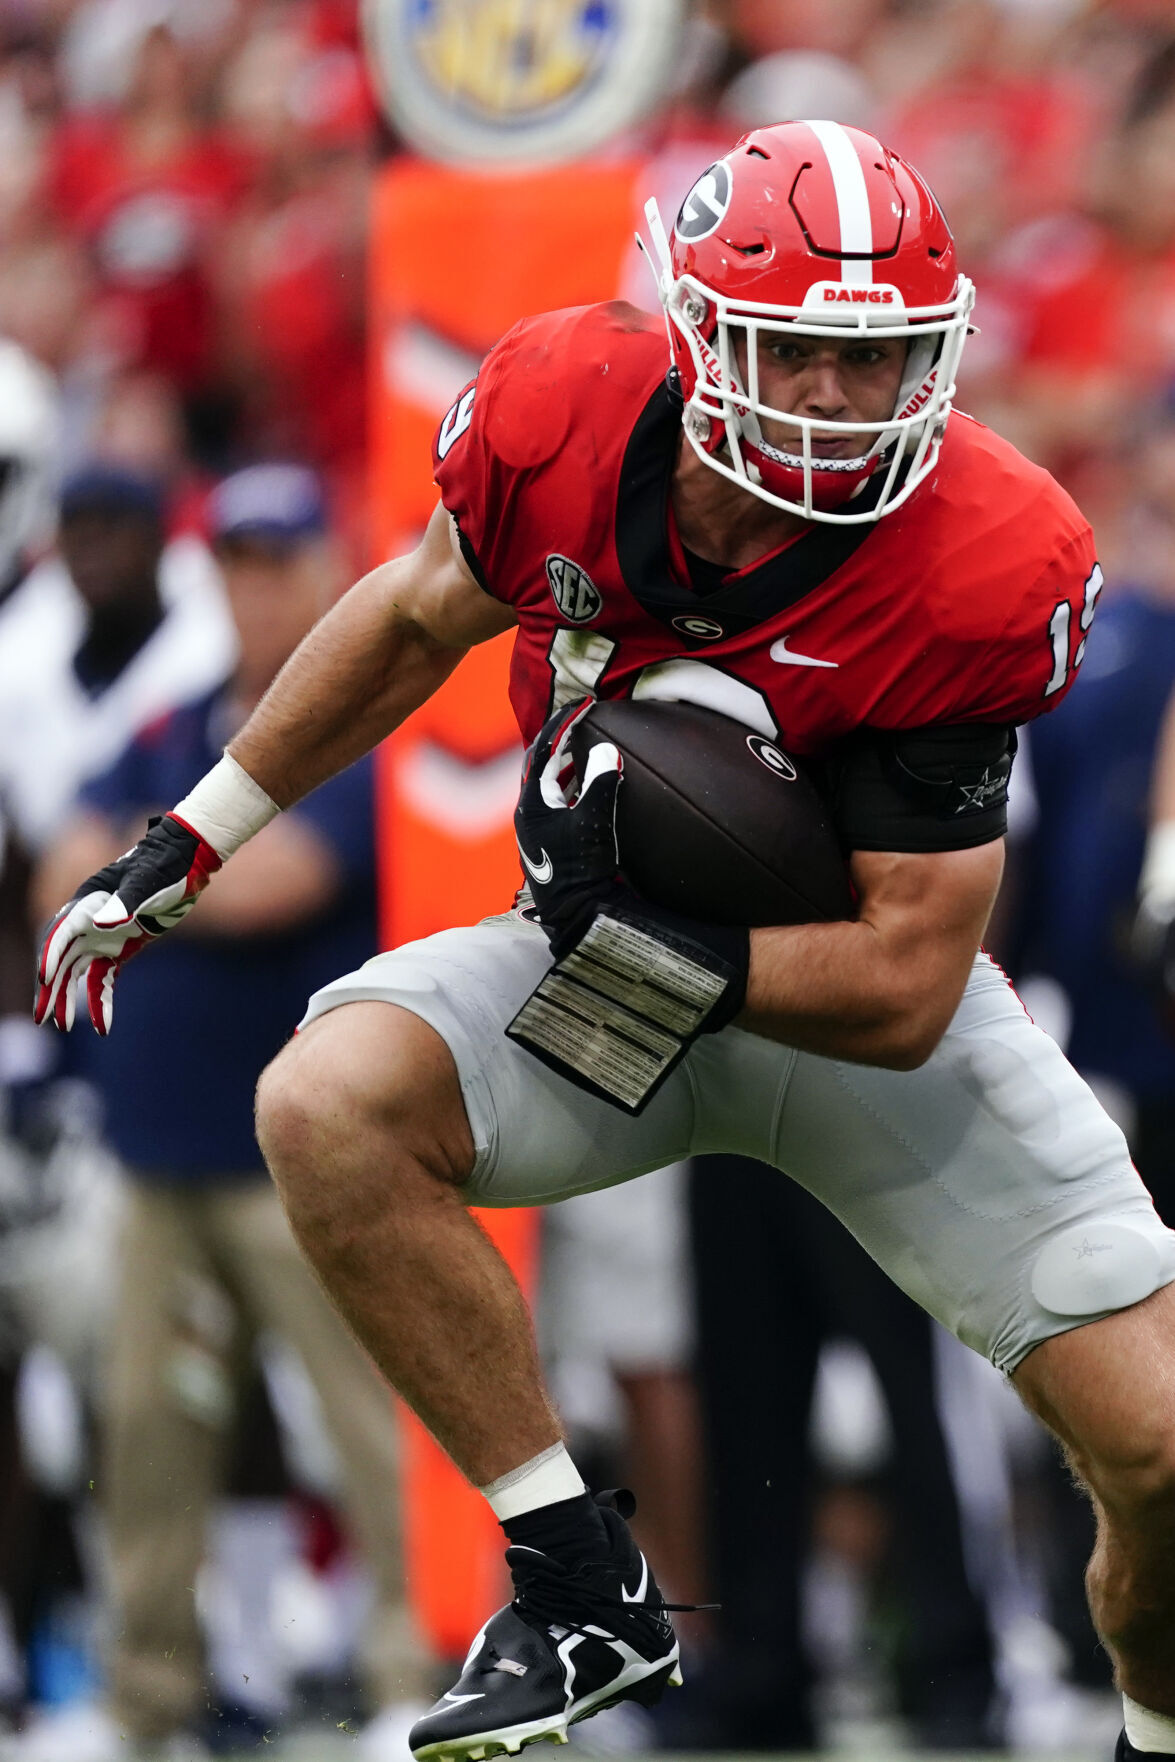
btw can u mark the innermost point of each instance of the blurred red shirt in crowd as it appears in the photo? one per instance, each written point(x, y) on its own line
point(292, 272)
point(997, 150)
point(1095, 293)
point(147, 187)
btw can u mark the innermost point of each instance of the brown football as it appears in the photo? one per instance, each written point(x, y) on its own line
point(714, 820)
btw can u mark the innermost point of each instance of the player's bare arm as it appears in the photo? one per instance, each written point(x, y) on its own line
point(387, 645)
point(881, 989)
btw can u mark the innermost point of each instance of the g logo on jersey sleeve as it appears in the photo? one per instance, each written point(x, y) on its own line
point(704, 207)
point(574, 592)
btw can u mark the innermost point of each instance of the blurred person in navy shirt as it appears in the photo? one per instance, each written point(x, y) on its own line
point(208, 1261)
point(113, 626)
point(1091, 765)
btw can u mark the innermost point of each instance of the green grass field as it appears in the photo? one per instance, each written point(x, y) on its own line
point(878, 1745)
point(310, 1748)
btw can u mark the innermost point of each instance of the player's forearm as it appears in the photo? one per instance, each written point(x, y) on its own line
point(361, 671)
point(841, 991)
point(882, 988)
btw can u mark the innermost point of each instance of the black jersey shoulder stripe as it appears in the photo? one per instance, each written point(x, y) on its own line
point(642, 537)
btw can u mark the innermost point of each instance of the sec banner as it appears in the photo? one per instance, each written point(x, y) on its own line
point(521, 80)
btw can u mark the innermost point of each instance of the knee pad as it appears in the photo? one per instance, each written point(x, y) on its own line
point(1093, 1268)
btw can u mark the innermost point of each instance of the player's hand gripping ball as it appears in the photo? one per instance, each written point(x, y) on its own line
point(569, 851)
point(714, 820)
point(114, 914)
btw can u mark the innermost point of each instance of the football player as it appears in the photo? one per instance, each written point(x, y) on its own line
point(788, 529)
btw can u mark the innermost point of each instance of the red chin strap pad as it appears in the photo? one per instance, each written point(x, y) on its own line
point(830, 489)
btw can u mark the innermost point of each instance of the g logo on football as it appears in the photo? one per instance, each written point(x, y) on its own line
point(574, 591)
point(703, 209)
point(770, 755)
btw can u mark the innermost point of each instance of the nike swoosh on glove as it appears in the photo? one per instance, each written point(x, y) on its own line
point(114, 914)
point(570, 853)
point(568, 849)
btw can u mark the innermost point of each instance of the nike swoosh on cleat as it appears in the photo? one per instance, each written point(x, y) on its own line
point(780, 652)
point(540, 872)
point(638, 1596)
point(480, 1696)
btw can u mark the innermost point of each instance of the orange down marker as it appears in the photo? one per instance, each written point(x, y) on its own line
point(457, 258)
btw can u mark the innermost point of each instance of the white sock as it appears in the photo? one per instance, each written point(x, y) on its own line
point(549, 1476)
point(1153, 1733)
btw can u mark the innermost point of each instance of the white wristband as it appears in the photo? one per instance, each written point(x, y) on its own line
point(1156, 884)
point(226, 807)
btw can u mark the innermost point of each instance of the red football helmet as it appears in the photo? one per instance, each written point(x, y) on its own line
point(816, 229)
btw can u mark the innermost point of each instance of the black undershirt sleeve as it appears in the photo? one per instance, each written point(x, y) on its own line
point(922, 789)
point(472, 560)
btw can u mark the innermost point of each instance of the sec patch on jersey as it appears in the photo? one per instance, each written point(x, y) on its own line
point(714, 821)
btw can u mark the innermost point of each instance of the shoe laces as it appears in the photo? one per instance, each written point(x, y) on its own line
point(543, 1591)
point(543, 1587)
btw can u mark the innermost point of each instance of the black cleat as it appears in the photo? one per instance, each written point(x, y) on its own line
point(570, 1644)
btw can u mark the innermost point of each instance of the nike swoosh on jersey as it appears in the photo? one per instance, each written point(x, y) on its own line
point(780, 652)
point(540, 872)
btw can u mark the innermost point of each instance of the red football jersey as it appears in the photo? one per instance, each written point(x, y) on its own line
point(970, 603)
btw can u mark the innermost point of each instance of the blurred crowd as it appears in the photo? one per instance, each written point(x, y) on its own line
point(184, 194)
point(182, 223)
point(183, 208)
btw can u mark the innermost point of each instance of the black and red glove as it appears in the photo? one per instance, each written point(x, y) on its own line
point(568, 847)
point(633, 985)
point(114, 914)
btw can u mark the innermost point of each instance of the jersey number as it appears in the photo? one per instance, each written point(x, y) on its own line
point(1059, 629)
point(456, 422)
point(578, 660)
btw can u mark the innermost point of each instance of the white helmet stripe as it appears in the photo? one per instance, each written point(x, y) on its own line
point(852, 201)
